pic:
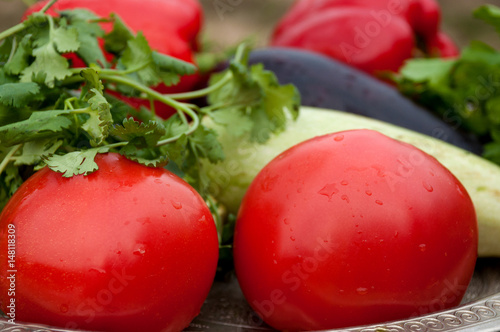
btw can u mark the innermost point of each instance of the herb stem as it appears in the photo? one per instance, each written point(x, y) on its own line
point(8, 157)
point(205, 91)
point(48, 5)
point(21, 26)
point(181, 108)
point(12, 31)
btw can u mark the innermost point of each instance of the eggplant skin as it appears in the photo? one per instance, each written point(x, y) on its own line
point(328, 83)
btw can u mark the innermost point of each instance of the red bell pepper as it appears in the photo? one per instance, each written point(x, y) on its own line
point(171, 27)
point(371, 35)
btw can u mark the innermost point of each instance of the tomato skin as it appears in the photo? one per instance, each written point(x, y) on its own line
point(353, 228)
point(126, 248)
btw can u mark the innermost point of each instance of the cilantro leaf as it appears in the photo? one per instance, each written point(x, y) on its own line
point(147, 133)
point(33, 151)
point(256, 94)
point(65, 38)
point(116, 40)
point(137, 56)
point(489, 14)
point(18, 94)
point(75, 163)
point(39, 125)
point(88, 31)
point(20, 58)
point(49, 62)
point(171, 69)
point(100, 120)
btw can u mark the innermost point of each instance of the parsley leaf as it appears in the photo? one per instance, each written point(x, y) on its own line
point(39, 125)
point(465, 89)
point(148, 133)
point(75, 163)
point(18, 94)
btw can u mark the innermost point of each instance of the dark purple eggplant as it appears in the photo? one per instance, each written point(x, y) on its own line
point(327, 83)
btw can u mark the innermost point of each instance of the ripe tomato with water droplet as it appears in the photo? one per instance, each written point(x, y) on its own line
point(88, 265)
point(392, 250)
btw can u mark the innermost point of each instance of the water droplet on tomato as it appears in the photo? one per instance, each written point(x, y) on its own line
point(275, 262)
point(158, 181)
point(292, 238)
point(396, 234)
point(202, 219)
point(344, 183)
point(299, 190)
point(139, 251)
point(97, 270)
point(338, 138)
point(422, 247)
point(362, 290)
point(379, 202)
point(368, 192)
point(427, 186)
point(286, 221)
point(176, 205)
point(64, 308)
point(460, 192)
point(328, 190)
point(345, 198)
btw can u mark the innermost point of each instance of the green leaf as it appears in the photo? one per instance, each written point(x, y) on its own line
point(100, 120)
point(20, 59)
point(148, 134)
point(65, 38)
point(18, 94)
point(40, 125)
point(138, 56)
point(205, 144)
point(33, 151)
point(171, 69)
point(435, 71)
point(489, 14)
point(88, 31)
point(48, 62)
point(75, 163)
point(116, 40)
point(236, 123)
point(256, 93)
point(92, 79)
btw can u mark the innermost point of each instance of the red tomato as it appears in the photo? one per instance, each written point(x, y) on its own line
point(353, 228)
point(126, 248)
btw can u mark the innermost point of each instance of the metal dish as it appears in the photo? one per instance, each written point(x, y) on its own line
point(226, 310)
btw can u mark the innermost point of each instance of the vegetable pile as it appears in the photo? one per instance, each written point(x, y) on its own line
point(127, 172)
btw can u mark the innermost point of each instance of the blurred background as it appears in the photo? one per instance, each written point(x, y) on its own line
point(228, 22)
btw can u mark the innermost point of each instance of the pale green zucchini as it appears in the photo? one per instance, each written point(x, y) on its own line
point(244, 160)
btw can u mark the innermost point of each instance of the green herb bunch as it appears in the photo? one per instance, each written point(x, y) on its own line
point(465, 91)
point(56, 115)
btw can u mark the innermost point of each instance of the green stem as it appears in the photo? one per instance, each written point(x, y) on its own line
point(8, 157)
point(21, 26)
point(12, 31)
point(181, 108)
point(203, 92)
point(47, 6)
